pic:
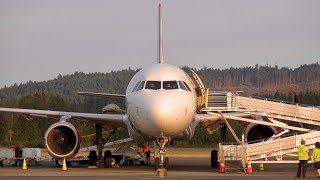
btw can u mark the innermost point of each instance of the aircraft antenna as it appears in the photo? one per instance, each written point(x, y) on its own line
point(160, 35)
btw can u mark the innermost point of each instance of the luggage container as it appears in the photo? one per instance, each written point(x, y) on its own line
point(32, 155)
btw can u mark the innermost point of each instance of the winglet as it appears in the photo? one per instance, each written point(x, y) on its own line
point(160, 35)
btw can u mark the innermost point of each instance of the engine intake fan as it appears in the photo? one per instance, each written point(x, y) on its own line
point(62, 140)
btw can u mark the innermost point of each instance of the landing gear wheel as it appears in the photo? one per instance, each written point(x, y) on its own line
point(93, 158)
point(107, 153)
point(157, 163)
point(166, 163)
point(214, 158)
point(108, 162)
point(107, 159)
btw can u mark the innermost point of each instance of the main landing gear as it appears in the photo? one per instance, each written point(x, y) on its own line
point(162, 162)
point(107, 158)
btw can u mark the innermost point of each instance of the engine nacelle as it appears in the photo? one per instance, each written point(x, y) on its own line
point(254, 132)
point(62, 140)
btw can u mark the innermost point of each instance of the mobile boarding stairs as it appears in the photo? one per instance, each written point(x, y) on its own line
point(270, 150)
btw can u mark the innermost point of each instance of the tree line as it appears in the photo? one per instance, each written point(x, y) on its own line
point(258, 79)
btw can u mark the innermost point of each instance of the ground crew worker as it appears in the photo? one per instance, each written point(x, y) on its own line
point(303, 159)
point(316, 157)
point(147, 152)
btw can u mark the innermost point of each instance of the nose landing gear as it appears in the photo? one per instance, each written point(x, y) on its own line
point(162, 163)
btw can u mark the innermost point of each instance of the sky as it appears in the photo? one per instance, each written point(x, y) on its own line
point(40, 39)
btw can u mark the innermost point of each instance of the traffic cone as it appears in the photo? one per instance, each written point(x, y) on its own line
point(222, 166)
point(261, 168)
point(249, 167)
point(64, 165)
point(24, 164)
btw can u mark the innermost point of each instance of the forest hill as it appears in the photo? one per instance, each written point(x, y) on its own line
point(251, 80)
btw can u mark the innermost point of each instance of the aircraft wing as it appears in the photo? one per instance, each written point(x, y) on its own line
point(209, 119)
point(205, 120)
point(110, 119)
point(120, 96)
point(106, 144)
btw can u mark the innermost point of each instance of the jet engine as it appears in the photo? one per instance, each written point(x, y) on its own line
point(62, 140)
point(254, 132)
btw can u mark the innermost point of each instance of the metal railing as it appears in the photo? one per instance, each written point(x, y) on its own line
point(221, 101)
point(280, 108)
point(268, 148)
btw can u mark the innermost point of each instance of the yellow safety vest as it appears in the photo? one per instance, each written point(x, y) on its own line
point(302, 152)
point(316, 155)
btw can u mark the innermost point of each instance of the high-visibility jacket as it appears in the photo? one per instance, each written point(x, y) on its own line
point(316, 155)
point(145, 148)
point(303, 152)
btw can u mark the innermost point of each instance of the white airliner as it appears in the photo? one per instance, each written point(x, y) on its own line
point(162, 104)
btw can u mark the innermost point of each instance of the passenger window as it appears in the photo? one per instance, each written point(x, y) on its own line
point(182, 86)
point(136, 86)
point(153, 85)
point(170, 85)
point(141, 85)
point(186, 86)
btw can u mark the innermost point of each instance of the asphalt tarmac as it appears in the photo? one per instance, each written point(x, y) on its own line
point(180, 168)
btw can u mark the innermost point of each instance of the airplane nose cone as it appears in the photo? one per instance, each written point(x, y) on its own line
point(166, 117)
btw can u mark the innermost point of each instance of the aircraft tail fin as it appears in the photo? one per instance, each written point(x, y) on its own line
point(160, 35)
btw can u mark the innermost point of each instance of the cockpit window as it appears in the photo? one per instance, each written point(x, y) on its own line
point(182, 86)
point(170, 85)
point(186, 86)
point(155, 85)
point(141, 85)
point(138, 86)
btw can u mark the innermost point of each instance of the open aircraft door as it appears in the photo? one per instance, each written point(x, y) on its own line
point(200, 90)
